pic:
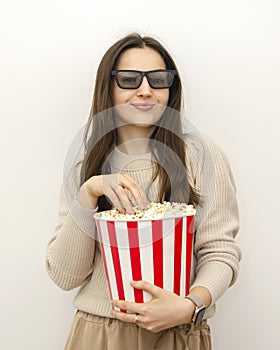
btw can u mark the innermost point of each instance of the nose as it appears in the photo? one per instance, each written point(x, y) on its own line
point(144, 89)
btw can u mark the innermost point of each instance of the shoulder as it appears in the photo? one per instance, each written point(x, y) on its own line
point(219, 160)
point(206, 160)
point(215, 150)
point(200, 147)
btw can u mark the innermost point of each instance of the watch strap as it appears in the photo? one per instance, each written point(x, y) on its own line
point(198, 302)
point(199, 308)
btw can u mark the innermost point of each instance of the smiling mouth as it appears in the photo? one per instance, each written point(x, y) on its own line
point(144, 107)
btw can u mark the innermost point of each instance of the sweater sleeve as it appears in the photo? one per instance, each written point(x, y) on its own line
point(216, 251)
point(70, 250)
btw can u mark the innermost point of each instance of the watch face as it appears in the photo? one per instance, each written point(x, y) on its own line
point(199, 315)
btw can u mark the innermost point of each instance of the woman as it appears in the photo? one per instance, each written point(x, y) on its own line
point(134, 131)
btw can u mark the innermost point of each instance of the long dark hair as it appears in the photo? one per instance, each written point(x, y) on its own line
point(171, 171)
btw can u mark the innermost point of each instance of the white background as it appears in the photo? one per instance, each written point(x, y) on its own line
point(228, 55)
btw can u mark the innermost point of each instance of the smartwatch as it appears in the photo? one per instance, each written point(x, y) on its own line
point(200, 308)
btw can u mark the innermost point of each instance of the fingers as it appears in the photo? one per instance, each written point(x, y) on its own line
point(163, 311)
point(135, 189)
point(142, 200)
point(128, 318)
point(121, 205)
point(155, 291)
point(128, 306)
point(115, 186)
point(120, 199)
point(137, 308)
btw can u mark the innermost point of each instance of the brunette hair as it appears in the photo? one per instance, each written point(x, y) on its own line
point(98, 143)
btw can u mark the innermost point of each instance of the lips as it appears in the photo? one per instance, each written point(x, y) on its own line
point(144, 107)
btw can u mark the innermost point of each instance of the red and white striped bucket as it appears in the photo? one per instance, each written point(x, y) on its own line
point(158, 251)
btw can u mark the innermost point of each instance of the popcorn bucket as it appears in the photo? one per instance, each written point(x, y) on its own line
point(158, 251)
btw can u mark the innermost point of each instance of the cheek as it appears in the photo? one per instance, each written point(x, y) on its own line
point(115, 94)
point(121, 96)
point(163, 96)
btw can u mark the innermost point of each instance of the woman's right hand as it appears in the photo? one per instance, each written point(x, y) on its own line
point(113, 187)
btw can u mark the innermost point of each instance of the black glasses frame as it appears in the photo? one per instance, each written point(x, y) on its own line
point(143, 74)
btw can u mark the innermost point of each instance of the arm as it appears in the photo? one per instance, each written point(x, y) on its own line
point(70, 251)
point(216, 251)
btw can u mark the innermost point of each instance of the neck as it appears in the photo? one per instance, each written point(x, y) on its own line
point(132, 141)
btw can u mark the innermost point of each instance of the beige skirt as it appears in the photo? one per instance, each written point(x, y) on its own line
point(91, 332)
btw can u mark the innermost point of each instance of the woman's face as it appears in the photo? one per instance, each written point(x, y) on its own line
point(142, 106)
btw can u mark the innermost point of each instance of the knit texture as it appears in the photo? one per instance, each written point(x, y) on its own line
point(73, 255)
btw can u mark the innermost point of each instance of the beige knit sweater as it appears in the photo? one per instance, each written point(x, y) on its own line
point(74, 257)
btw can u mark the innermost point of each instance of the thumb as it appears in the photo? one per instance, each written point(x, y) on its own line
point(148, 287)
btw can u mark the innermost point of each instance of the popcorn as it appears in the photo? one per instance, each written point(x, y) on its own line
point(153, 211)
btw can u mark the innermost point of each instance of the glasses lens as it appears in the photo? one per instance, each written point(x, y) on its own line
point(160, 79)
point(129, 80)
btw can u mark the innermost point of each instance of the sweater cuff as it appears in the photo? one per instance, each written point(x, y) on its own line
point(216, 277)
point(84, 218)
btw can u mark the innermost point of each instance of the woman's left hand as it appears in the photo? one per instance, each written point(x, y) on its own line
point(165, 310)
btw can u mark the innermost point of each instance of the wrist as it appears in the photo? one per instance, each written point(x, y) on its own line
point(199, 308)
point(188, 309)
point(85, 200)
point(202, 293)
